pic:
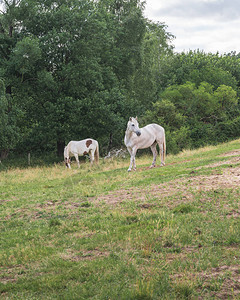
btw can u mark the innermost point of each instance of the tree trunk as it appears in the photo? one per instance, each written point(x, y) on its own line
point(4, 153)
point(110, 143)
point(60, 148)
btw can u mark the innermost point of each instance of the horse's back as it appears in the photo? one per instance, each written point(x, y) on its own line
point(83, 145)
point(73, 145)
point(89, 142)
point(155, 129)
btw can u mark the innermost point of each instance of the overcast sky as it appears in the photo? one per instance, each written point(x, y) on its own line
point(208, 25)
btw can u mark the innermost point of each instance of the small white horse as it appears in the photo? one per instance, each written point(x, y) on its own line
point(141, 138)
point(77, 148)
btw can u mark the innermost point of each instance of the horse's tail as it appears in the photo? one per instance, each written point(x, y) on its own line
point(66, 152)
point(66, 156)
point(96, 153)
point(164, 147)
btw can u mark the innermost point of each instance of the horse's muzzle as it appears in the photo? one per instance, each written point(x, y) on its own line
point(138, 133)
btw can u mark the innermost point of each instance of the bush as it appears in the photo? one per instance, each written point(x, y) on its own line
point(227, 130)
point(178, 140)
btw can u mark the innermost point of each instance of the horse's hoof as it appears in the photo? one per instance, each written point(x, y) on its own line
point(152, 166)
point(162, 164)
point(129, 170)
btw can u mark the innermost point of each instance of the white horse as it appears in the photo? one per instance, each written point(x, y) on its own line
point(77, 148)
point(141, 138)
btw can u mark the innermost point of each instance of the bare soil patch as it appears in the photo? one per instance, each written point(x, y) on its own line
point(12, 274)
point(229, 281)
point(232, 161)
point(231, 153)
point(229, 178)
point(226, 279)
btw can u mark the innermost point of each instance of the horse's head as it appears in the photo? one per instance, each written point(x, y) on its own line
point(133, 126)
point(67, 162)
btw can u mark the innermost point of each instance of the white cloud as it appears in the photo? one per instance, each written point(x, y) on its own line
point(208, 25)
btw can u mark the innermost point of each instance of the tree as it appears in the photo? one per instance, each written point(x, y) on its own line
point(226, 103)
point(9, 114)
point(165, 113)
point(197, 67)
point(70, 64)
point(196, 115)
point(156, 47)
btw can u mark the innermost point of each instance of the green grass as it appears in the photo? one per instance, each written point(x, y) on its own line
point(104, 233)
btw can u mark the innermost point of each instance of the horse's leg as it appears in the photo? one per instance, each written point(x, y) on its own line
point(91, 154)
point(77, 160)
point(68, 165)
point(132, 152)
point(154, 152)
point(134, 161)
point(161, 153)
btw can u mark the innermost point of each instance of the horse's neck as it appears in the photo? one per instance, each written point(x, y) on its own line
point(66, 151)
point(128, 135)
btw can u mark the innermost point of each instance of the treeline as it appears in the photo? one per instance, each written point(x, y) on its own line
point(72, 69)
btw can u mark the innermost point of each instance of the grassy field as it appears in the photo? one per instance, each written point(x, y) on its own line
point(103, 233)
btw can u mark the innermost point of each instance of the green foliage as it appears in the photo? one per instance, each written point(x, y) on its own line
point(195, 116)
point(198, 67)
point(69, 64)
point(178, 140)
point(166, 114)
point(77, 69)
point(226, 102)
point(9, 115)
point(228, 129)
point(156, 45)
point(25, 57)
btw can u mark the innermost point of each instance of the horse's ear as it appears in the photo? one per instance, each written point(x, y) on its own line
point(136, 118)
point(130, 119)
